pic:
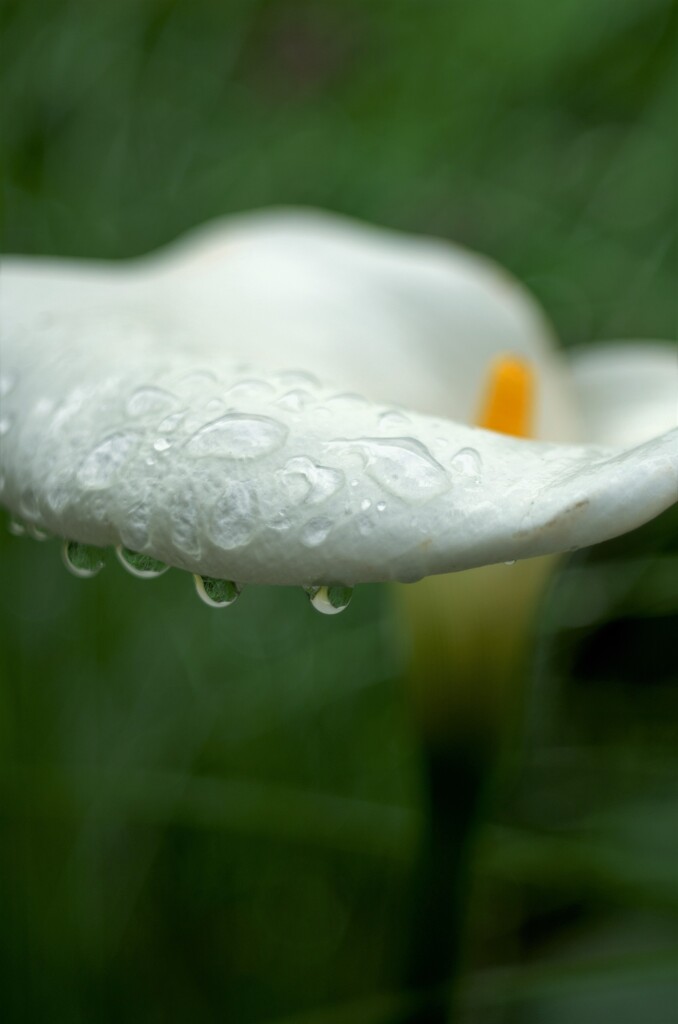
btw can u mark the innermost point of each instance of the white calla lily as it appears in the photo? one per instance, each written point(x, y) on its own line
point(288, 399)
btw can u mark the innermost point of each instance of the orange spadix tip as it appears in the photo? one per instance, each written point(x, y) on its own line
point(508, 402)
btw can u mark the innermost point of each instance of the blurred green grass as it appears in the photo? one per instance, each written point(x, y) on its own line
point(213, 816)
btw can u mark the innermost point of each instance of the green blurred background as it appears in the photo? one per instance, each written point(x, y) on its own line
point(215, 816)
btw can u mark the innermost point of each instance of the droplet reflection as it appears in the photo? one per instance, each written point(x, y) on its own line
point(82, 560)
point(138, 564)
point(329, 600)
point(216, 593)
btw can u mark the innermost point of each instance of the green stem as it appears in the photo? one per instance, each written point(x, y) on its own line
point(455, 776)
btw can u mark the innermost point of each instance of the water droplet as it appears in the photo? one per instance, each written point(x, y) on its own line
point(346, 401)
point(315, 531)
point(58, 495)
point(171, 422)
point(99, 468)
point(365, 525)
point(139, 564)
point(5, 425)
point(83, 560)
point(233, 519)
point(162, 444)
point(150, 401)
point(468, 462)
point(381, 506)
point(329, 600)
point(236, 436)
point(295, 401)
point(183, 515)
point(197, 381)
point(365, 504)
point(279, 522)
point(134, 530)
point(297, 378)
point(28, 504)
point(402, 466)
point(511, 561)
point(304, 482)
point(250, 389)
point(36, 533)
point(216, 593)
point(16, 528)
point(393, 420)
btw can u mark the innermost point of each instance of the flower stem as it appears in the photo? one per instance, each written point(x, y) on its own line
point(455, 776)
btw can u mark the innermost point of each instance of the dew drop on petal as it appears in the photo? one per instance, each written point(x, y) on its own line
point(98, 469)
point(236, 436)
point(315, 531)
point(250, 389)
point(162, 444)
point(216, 593)
point(233, 520)
point(511, 561)
point(329, 600)
point(381, 506)
point(184, 522)
point(295, 401)
point(297, 379)
point(16, 528)
point(403, 466)
point(304, 481)
point(279, 522)
point(365, 504)
point(83, 560)
point(150, 401)
point(365, 525)
point(393, 420)
point(138, 564)
point(468, 462)
point(171, 422)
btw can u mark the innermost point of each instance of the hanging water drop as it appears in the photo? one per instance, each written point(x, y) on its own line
point(36, 533)
point(216, 593)
point(138, 564)
point(329, 600)
point(83, 560)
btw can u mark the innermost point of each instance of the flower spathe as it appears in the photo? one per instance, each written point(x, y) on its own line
point(253, 405)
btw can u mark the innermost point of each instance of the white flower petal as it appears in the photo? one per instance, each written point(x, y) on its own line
point(129, 417)
point(405, 321)
point(208, 466)
point(627, 391)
